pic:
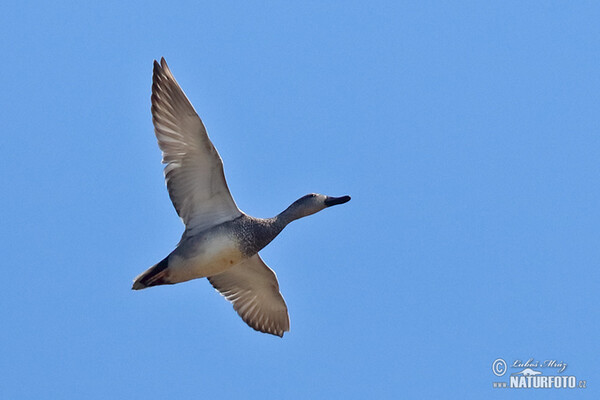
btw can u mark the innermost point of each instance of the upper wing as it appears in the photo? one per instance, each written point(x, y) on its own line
point(253, 289)
point(194, 170)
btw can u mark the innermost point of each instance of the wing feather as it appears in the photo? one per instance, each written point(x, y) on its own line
point(194, 170)
point(252, 288)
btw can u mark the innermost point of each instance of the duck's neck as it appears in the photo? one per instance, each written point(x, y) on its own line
point(288, 215)
point(256, 233)
point(262, 231)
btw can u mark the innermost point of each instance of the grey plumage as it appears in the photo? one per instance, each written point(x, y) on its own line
point(220, 242)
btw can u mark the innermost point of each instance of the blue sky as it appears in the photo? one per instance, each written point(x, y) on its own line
point(466, 133)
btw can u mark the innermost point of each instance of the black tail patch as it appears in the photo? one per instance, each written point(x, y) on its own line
point(153, 276)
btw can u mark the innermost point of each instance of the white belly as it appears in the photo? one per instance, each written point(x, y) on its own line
point(203, 257)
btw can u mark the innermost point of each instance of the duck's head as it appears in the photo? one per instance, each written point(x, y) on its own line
point(314, 202)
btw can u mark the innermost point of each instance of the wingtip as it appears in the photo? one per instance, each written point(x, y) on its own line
point(281, 332)
point(162, 64)
point(162, 68)
point(270, 332)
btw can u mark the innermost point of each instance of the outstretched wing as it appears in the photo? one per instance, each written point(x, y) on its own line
point(253, 290)
point(194, 169)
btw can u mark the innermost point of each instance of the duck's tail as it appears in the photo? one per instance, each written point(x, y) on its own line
point(153, 276)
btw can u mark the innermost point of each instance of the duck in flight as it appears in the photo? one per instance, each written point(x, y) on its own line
point(220, 242)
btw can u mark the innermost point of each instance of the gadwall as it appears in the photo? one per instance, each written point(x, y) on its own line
point(220, 242)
